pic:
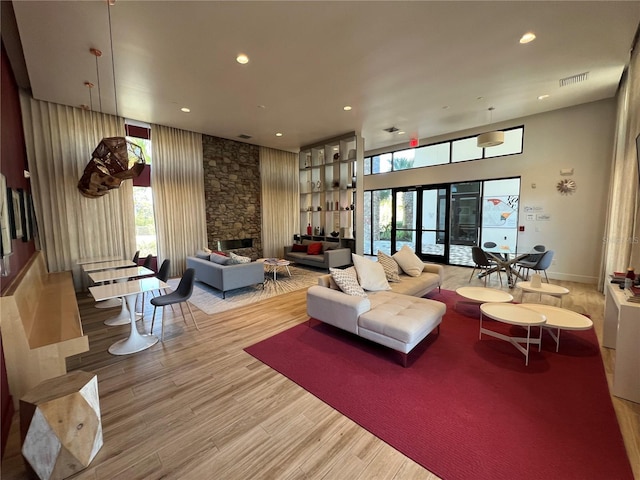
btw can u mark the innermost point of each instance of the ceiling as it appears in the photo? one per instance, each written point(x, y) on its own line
point(427, 68)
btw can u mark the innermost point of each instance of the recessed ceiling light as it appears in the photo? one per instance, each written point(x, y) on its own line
point(242, 59)
point(278, 134)
point(401, 132)
point(346, 108)
point(542, 97)
point(528, 37)
point(262, 106)
point(185, 109)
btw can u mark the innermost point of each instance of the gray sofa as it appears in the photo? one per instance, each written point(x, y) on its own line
point(226, 277)
point(332, 255)
point(399, 318)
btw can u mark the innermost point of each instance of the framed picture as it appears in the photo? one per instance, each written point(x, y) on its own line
point(4, 219)
point(26, 231)
point(17, 217)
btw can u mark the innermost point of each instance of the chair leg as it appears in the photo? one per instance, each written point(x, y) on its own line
point(162, 326)
point(182, 312)
point(472, 272)
point(153, 318)
point(192, 317)
point(545, 275)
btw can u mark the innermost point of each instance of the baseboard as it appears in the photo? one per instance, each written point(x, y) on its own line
point(570, 277)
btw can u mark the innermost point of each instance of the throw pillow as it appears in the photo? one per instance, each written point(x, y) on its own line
point(370, 274)
point(409, 262)
point(219, 259)
point(207, 250)
point(239, 258)
point(201, 254)
point(220, 253)
point(296, 247)
point(390, 266)
point(347, 280)
point(314, 248)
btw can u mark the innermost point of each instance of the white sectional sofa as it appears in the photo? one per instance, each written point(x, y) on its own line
point(398, 318)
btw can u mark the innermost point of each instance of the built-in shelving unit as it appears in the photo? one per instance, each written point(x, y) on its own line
point(328, 189)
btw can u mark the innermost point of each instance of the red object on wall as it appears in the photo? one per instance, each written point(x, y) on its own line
point(413, 142)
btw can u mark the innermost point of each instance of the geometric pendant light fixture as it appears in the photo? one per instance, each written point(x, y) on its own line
point(115, 158)
point(491, 138)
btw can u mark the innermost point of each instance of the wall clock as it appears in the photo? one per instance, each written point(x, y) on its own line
point(566, 186)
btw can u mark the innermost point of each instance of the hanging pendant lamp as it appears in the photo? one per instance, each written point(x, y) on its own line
point(114, 159)
point(492, 138)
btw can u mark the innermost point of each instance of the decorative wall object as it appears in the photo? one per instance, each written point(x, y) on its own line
point(4, 219)
point(26, 230)
point(14, 213)
point(566, 186)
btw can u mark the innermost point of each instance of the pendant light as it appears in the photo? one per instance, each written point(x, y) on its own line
point(111, 159)
point(492, 138)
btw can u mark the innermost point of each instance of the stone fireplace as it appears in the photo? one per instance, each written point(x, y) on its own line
point(232, 196)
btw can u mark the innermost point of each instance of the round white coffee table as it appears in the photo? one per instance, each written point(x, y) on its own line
point(559, 319)
point(513, 315)
point(544, 288)
point(274, 263)
point(483, 295)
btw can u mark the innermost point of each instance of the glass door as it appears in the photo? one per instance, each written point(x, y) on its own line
point(405, 208)
point(434, 233)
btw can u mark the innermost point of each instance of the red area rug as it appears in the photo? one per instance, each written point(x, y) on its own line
point(466, 408)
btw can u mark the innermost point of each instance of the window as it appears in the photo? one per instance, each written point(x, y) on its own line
point(377, 221)
point(142, 195)
point(452, 151)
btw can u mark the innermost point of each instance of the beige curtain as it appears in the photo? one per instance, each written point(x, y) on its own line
point(621, 243)
point(280, 200)
point(59, 142)
point(177, 181)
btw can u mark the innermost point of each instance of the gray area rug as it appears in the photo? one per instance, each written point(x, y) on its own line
point(210, 300)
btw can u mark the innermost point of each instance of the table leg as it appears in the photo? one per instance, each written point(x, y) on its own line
point(288, 271)
point(136, 342)
point(124, 317)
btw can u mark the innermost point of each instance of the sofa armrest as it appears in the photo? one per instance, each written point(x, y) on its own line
point(336, 308)
point(338, 257)
point(435, 268)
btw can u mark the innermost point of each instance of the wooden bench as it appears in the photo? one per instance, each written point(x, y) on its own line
point(40, 325)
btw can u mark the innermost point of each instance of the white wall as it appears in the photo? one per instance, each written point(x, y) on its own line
point(578, 137)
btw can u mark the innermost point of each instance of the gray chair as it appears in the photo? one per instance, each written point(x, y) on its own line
point(541, 265)
point(136, 256)
point(181, 295)
point(483, 264)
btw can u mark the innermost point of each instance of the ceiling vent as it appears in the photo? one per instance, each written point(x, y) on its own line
point(244, 136)
point(391, 129)
point(580, 77)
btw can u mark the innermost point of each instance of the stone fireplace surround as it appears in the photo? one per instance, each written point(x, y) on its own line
point(232, 195)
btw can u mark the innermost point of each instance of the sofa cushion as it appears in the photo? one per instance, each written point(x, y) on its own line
point(390, 266)
point(371, 275)
point(329, 246)
point(409, 262)
point(219, 259)
point(347, 280)
point(203, 255)
point(314, 248)
point(401, 317)
point(296, 247)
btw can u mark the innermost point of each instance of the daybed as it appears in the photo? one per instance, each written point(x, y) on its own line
point(330, 254)
point(397, 318)
point(226, 277)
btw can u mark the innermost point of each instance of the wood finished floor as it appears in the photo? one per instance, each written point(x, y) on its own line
point(198, 407)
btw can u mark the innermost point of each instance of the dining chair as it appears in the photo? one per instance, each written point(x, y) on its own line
point(531, 259)
point(136, 257)
point(179, 296)
point(483, 263)
point(541, 265)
